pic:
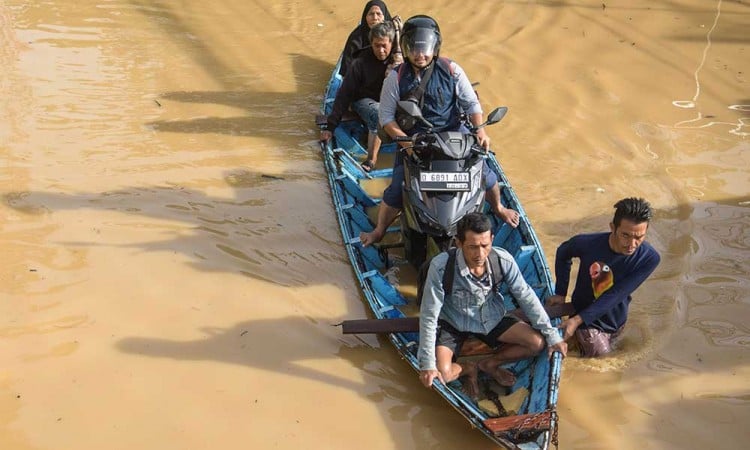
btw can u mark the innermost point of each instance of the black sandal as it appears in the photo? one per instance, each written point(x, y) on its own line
point(367, 165)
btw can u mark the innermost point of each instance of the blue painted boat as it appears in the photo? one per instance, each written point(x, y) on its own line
point(535, 424)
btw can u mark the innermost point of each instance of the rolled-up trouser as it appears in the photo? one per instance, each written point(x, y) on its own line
point(595, 342)
point(367, 109)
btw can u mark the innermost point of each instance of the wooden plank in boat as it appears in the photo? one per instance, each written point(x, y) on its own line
point(525, 422)
point(411, 324)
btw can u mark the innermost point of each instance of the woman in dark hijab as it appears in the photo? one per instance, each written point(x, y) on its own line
point(375, 12)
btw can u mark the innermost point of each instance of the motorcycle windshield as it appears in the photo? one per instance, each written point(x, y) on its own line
point(456, 145)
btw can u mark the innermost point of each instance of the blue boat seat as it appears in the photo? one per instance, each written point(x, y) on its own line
point(355, 190)
point(386, 293)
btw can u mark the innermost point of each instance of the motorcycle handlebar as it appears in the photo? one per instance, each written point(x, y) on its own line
point(427, 138)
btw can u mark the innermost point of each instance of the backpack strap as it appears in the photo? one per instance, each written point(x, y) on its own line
point(400, 71)
point(497, 271)
point(445, 63)
point(449, 272)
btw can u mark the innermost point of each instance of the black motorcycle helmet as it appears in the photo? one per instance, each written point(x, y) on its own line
point(421, 34)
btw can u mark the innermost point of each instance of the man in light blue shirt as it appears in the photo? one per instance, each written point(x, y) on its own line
point(474, 308)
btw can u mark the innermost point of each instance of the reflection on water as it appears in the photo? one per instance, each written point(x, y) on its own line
point(663, 365)
point(734, 400)
point(723, 332)
point(51, 326)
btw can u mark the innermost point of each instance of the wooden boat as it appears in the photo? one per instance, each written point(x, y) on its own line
point(535, 423)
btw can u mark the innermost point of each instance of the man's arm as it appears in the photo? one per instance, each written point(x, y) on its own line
point(563, 263)
point(527, 299)
point(432, 302)
point(465, 93)
point(389, 97)
point(469, 103)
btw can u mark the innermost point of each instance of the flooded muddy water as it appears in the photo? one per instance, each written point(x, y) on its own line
point(172, 265)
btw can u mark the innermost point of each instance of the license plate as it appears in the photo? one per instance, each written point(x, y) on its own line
point(444, 181)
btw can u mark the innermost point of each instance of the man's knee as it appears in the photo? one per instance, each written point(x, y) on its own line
point(490, 178)
point(444, 367)
point(536, 342)
point(593, 343)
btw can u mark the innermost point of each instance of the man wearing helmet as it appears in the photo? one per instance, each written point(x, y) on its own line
point(446, 94)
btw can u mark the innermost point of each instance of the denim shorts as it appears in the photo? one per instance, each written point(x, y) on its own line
point(367, 109)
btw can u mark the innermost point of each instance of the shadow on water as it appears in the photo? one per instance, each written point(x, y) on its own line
point(222, 234)
point(249, 234)
point(267, 114)
point(253, 234)
point(239, 345)
point(408, 403)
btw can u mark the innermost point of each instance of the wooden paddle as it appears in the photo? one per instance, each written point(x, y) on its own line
point(411, 324)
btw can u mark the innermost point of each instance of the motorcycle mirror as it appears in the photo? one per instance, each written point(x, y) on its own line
point(413, 110)
point(496, 115)
point(410, 108)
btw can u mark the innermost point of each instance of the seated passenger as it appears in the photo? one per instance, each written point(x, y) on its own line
point(375, 12)
point(447, 93)
point(361, 89)
point(475, 307)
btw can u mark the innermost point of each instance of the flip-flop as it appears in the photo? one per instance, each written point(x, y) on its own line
point(367, 165)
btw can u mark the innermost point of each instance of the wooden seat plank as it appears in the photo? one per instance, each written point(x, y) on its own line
point(522, 423)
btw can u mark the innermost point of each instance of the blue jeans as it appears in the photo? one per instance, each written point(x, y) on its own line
point(367, 109)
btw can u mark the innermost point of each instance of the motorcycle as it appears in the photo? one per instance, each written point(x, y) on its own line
point(443, 181)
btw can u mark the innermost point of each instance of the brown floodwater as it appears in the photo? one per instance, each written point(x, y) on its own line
point(172, 265)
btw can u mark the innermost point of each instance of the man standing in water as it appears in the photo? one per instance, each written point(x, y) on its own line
point(475, 307)
point(612, 265)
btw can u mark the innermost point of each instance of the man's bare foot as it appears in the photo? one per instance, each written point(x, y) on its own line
point(504, 377)
point(491, 367)
point(370, 238)
point(509, 216)
point(470, 383)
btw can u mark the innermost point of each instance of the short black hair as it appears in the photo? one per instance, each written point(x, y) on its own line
point(475, 222)
point(636, 210)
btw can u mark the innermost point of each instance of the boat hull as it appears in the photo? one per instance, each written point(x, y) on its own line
point(535, 424)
